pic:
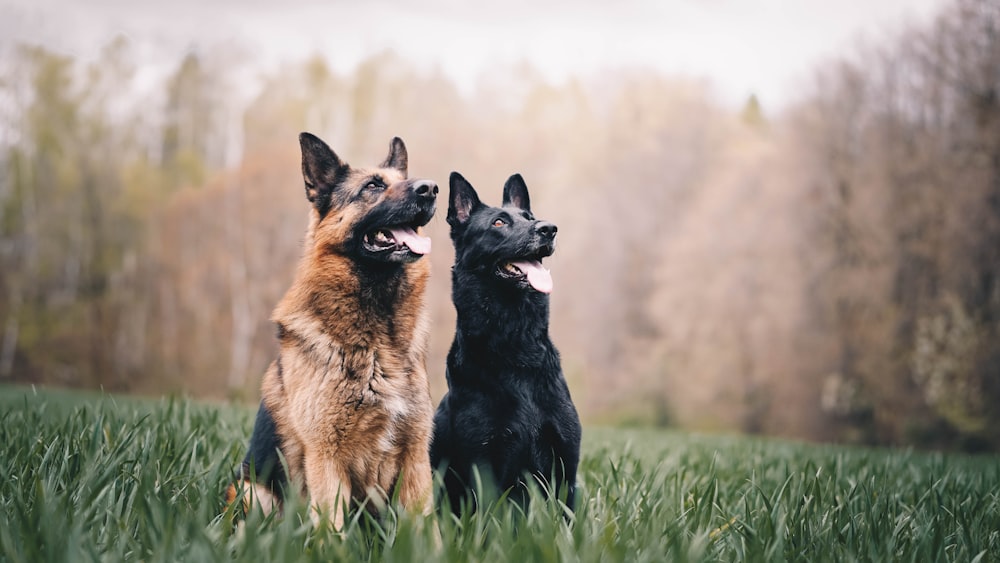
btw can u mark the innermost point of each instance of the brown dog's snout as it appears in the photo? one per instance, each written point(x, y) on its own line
point(425, 188)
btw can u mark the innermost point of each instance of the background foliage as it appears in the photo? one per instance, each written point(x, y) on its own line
point(831, 271)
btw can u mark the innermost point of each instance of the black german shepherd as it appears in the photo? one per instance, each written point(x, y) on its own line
point(508, 410)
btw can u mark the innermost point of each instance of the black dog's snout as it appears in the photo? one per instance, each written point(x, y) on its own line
point(546, 229)
point(425, 188)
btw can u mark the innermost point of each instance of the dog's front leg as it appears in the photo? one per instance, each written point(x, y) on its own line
point(416, 482)
point(416, 488)
point(329, 490)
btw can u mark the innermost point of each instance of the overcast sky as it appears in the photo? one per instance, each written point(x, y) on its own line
point(767, 47)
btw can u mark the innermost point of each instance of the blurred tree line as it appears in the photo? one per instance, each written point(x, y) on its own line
point(831, 272)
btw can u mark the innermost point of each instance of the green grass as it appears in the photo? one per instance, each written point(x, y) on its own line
point(85, 477)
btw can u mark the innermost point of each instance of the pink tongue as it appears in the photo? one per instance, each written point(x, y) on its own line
point(538, 277)
point(416, 243)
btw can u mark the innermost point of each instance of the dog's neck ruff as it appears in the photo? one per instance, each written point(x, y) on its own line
point(352, 307)
point(496, 322)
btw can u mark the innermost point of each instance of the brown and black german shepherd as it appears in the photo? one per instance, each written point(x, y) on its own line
point(347, 402)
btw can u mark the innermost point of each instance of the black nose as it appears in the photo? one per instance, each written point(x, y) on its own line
point(425, 188)
point(546, 229)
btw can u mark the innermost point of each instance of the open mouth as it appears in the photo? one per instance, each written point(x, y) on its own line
point(527, 272)
point(400, 238)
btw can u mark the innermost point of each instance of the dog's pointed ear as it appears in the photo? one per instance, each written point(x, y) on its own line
point(462, 201)
point(322, 170)
point(397, 156)
point(515, 193)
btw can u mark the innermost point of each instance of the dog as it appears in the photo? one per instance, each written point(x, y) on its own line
point(347, 402)
point(507, 411)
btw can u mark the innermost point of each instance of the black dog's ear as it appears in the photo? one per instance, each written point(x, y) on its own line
point(397, 156)
point(321, 170)
point(463, 200)
point(515, 193)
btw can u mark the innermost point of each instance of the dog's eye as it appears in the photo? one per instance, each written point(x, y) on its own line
point(374, 185)
point(499, 222)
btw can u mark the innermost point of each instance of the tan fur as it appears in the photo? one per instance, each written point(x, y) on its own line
point(351, 400)
point(253, 495)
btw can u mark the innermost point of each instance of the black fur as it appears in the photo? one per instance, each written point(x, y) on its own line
point(508, 409)
point(262, 461)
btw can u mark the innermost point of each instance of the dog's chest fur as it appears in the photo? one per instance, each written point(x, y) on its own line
point(350, 385)
point(364, 387)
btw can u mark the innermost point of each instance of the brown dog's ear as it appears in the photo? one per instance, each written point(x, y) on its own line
point(462, 201)
point(397, 156)
point(322, 170)
point(515, 193)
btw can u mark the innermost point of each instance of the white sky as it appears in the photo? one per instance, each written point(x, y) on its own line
point(765, 47)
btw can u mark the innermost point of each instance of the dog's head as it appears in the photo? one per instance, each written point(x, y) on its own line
point(371, 215)
point(502, 244)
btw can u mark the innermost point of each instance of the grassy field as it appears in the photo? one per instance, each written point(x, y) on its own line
point(88, 477)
